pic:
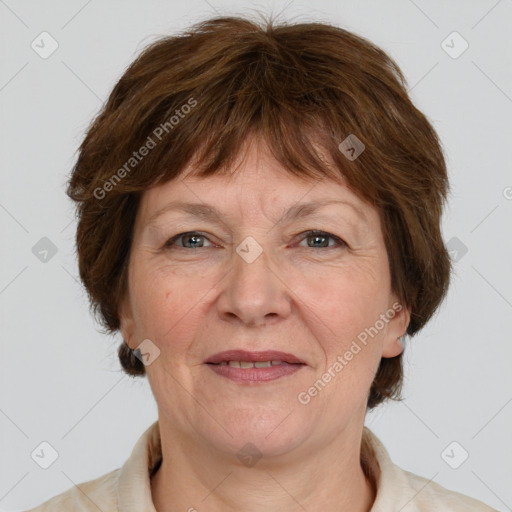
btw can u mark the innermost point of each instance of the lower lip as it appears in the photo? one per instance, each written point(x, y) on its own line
point(248, 375)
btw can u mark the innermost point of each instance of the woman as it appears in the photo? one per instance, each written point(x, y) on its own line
point(259, 216)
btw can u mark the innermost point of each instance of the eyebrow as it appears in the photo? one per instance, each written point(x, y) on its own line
point(208, 212)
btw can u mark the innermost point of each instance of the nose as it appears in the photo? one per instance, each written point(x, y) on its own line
point(255, 292)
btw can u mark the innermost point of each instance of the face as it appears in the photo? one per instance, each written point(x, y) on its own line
point(252, 278)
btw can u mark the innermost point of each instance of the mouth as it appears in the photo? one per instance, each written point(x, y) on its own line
point(245, 359)
point(252, 367)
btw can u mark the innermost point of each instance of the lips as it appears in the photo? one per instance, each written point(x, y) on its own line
point(244, 355)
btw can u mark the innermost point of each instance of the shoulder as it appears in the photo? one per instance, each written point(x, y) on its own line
point(398, 489)
point(434, 497)
point(94, 495)
point(125, 488)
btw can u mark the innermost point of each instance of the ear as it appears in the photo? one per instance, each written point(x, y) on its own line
point(397, 326)
point(127, 322)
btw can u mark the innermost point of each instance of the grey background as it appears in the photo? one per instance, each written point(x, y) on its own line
point(60, 381)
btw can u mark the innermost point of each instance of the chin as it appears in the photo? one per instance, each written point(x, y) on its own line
point(272, 433)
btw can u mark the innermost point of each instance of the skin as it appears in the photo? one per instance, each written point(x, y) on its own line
point(200, 297)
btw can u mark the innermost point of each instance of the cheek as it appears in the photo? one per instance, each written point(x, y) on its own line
point(168, 307)
point(344, 299)
point(158, 298)
point(342, 315)
point(343, 321)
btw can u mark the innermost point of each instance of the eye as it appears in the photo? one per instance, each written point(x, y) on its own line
point(193, 237)
point(196, 240)
point(320, 239)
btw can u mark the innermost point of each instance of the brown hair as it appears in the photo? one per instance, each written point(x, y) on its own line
point(201, 94)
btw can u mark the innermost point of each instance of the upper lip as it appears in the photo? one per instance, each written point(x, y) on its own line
point(244, 355)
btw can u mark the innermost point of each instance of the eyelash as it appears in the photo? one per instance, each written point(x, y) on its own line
point(339, 242)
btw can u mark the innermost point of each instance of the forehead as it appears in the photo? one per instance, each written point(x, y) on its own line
point(254, 166)
point(255, 182)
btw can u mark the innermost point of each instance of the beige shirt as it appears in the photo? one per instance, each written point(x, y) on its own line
point(127, 489)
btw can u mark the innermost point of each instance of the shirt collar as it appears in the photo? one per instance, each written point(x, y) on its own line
point(134, 484)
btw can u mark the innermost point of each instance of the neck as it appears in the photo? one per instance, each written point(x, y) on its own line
point(329, 478)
